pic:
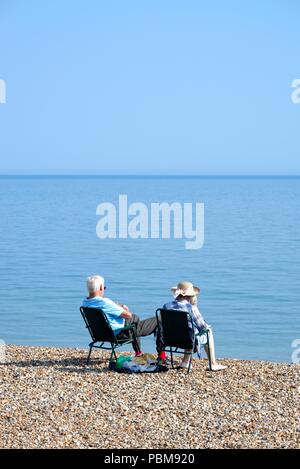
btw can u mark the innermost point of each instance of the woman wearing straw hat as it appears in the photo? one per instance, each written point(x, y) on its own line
point(185, 299)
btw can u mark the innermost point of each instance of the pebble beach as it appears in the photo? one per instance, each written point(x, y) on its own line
point(50, 398)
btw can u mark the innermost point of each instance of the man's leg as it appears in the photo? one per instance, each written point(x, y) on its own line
point(136, 344)
point(146, 327)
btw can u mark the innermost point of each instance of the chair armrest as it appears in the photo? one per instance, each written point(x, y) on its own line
point(128, 328)
point(204, 331)
point(132, 327)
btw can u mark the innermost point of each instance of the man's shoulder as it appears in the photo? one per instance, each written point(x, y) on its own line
point(94, 302)
point(109, 302)
point(110, 305)
point(101, 302)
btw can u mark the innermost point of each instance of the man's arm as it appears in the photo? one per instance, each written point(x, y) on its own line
point(117, 309)
point(126, 314)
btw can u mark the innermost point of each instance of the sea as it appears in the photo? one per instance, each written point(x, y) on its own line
point(248, 266)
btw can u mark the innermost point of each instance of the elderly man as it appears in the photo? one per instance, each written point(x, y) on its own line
point(118, 315)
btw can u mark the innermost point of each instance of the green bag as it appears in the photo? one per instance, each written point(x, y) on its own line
point(121, 360)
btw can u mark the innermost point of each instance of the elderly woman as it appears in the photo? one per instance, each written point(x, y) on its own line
point(185, 299)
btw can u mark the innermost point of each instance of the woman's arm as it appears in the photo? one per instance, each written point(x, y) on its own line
point(198, 318)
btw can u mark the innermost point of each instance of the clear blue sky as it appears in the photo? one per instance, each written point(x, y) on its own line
point(156, 86)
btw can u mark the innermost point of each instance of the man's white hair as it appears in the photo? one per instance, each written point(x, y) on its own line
point(94, 283)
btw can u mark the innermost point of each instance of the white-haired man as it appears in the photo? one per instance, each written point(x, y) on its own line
point(117, 315)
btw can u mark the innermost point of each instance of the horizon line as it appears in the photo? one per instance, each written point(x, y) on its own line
point(150, 175)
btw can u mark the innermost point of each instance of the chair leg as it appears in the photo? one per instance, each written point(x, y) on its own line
point(89, 355)
point(113, 354)
point(208, 351)
point(190, 362)
point(172, 362)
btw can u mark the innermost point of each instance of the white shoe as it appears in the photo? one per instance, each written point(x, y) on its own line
point(218, 367)
point(185, 365)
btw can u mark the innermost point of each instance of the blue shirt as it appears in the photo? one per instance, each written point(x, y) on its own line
point(111, 310)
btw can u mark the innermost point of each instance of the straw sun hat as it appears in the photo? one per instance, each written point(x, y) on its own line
point(185, 289)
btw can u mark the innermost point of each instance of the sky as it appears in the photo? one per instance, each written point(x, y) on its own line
point(149, 87)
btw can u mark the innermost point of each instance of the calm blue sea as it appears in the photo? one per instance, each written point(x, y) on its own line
point(248, 268)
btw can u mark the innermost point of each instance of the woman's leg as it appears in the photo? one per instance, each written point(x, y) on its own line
point(211, 351)
point(211, 348)
point(187, 356)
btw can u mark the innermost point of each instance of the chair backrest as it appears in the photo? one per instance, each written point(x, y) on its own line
point(175, 328)
point(97, 324)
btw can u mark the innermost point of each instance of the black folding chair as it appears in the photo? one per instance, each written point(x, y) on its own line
point(101, 332)
point(176, 333)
